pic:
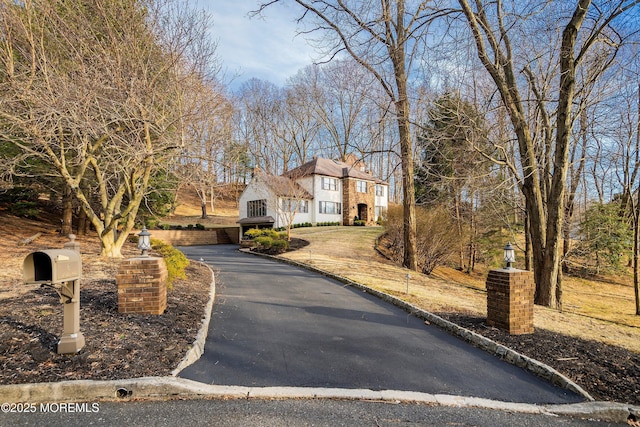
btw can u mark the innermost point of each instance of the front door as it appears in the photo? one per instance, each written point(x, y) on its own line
point(362, 212)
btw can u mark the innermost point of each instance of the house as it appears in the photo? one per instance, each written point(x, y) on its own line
point(319, 191)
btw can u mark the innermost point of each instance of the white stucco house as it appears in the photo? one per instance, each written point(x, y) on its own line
point(319, 191)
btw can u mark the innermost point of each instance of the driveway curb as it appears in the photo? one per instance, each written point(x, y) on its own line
point(163, 388)
point(197, 349)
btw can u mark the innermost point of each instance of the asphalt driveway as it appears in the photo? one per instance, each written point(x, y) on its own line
point(278, 325)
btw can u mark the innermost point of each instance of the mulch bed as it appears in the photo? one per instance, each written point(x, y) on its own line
point(606, 372)
point(118, 346)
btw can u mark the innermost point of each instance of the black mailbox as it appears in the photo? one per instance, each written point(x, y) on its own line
point(52, 266)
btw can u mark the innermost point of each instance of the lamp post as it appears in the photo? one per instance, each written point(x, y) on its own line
point(509, 256)
point(144, 242)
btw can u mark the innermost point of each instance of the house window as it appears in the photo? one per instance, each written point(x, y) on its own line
point(380, 190)
point(256, 208)
point(292, 205)
point(329, 183)
point(330, 208)
point(361, 186)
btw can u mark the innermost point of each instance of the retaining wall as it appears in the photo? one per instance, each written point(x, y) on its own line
point(215, 236)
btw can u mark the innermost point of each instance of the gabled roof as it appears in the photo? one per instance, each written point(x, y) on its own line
point(333, 168)
point(283, 186)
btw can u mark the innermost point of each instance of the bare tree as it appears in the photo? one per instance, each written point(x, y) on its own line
point(627, 137)
point(261, 118)
point(382, 36)
point(96, 89)
point(300, 126)
point(291, 200)
point(544, 166)
point(338, 94)
point(206, 133)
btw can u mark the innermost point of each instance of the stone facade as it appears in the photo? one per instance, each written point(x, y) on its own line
point(510, 296)
point(355, 203)
point(142, 286)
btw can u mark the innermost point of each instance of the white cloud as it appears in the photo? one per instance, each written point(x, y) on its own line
point(264, 47)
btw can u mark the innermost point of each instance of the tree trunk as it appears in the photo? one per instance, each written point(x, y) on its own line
point(397, 55)
point(459, 227)
point(528, 251)
point(108, 245)
point(82, 222)
point(67, 212)
point(636, 249)
point(203, 207)
point(636, 223)
point(556, 198)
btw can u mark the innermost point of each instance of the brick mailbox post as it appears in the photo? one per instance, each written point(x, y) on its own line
point(510, 294)
point(142, 281)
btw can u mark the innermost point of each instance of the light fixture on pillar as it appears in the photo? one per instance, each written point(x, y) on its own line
point(509, 256)
point(144, 242)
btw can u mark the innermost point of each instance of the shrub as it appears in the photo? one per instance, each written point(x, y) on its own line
point(280, 245)
point(264, 242)
point(190, 227)
point(302, 224)
point(199, 227)
point(253, 233)
point(269, 240)
point(270, 232)
point(18, 194)
point(359, 222)
point(436, 242)
point(25, 209)
point(175, 261)
point(328, 224)
point(606, 239)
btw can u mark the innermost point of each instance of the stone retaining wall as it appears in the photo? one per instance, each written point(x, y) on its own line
point(216, 236)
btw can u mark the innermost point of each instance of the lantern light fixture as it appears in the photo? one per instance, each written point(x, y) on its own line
point(144, 241)
point(509, 256)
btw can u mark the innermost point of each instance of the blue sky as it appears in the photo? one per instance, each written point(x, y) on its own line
point(263, 47)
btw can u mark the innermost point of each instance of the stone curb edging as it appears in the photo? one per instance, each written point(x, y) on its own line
point(162, 388)
point(511, 356)
point(197, 348)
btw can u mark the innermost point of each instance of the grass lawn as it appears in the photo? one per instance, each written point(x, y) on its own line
point(594, 310)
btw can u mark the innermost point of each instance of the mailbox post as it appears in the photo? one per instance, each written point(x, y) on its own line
point(60, 269)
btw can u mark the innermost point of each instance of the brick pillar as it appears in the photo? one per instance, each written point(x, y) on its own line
point(142, 286)
point(510, 300)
